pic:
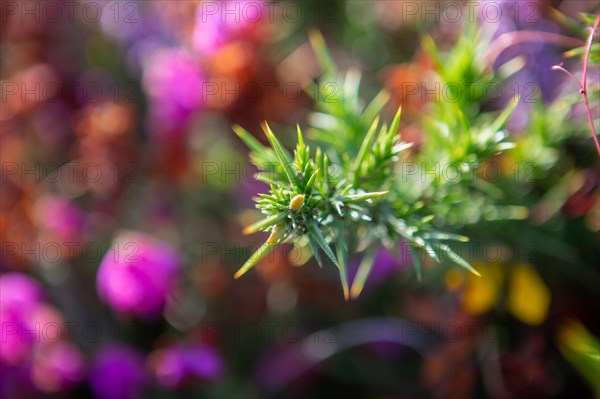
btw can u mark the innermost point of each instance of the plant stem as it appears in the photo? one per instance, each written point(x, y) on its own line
point(584, 82)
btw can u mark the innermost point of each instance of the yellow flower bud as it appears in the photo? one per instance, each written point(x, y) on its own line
point(297, 202)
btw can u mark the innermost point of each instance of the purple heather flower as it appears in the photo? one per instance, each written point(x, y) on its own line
point(20, 298)
point(118, 373)
point(179, 363)
point(174, 82)
point(137, 274)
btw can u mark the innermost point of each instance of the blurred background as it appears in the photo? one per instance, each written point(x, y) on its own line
point(117, 149)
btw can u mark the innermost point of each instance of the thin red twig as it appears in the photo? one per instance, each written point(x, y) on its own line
point(583, 83)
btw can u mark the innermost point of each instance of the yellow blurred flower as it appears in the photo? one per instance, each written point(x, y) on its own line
point(528, 295)
point(481, 293)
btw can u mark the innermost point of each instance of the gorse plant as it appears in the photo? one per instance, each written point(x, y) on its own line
point(354, 193)
point(306, 201)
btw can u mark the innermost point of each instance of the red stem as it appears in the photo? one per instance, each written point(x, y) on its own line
point(584, 83)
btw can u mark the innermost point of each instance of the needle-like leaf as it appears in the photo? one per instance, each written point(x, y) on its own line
point(364, 269)
point(249, 140)
point(264, 223)
point(505, 115)
point(315, 250)
point(354, 198)
point(316, 234)
point(342, 256)
point(455, 258)
point(320, 48)
point(376, 105)
point(416, 257)
point(395, 123)
point(364, 149)
point(282, 155)
point(260, 253)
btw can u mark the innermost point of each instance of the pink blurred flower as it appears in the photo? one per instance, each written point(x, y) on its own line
point(137, 274)
point(217, 22)
point(174, 82)
point(20, 298)
point(32, 346)
point(178, 363)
